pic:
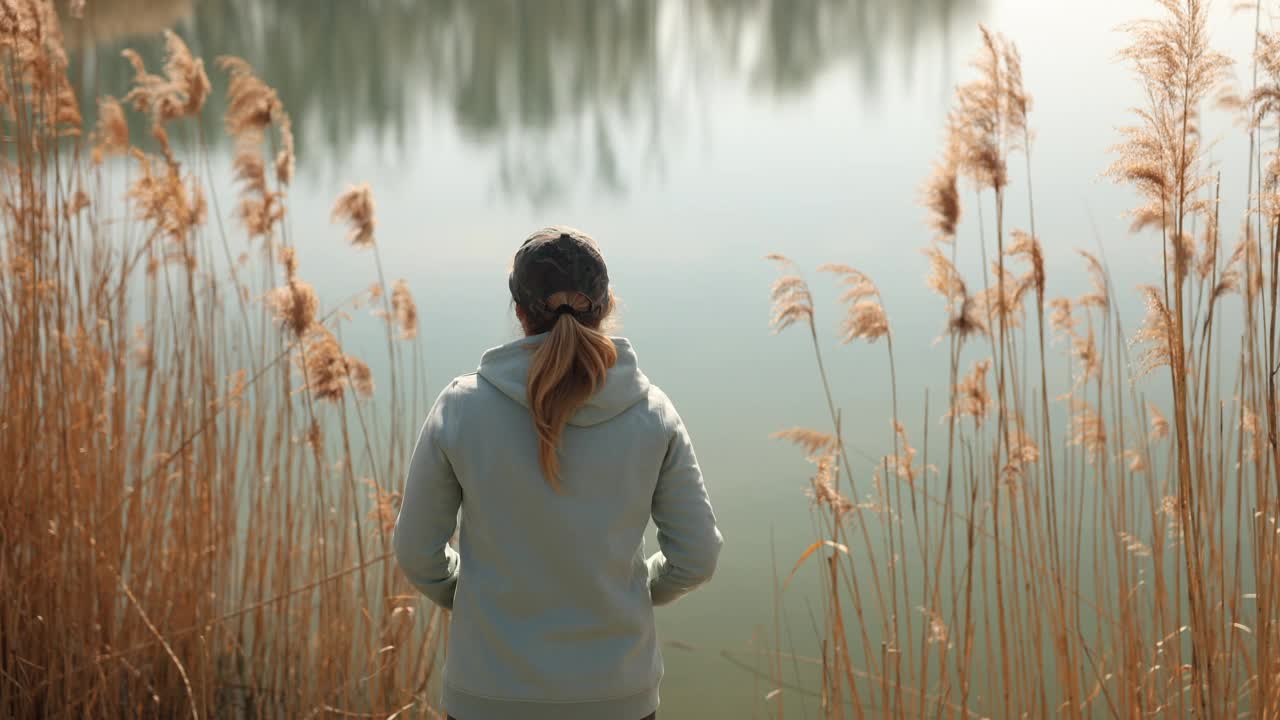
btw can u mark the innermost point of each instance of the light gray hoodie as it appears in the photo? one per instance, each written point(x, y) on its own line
point(552, 596)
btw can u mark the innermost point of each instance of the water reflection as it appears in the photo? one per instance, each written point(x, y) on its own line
point(552, 88)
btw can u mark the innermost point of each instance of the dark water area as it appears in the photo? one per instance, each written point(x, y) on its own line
point(502, 71)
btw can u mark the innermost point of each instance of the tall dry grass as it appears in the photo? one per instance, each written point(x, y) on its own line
point(1110, 551)
point(198, 478)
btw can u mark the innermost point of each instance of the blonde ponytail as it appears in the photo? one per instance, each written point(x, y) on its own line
point(569, 365)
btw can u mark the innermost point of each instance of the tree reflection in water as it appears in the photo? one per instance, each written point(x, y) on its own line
point(552, 87)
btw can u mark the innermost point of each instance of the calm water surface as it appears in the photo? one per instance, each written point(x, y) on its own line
point(690, 139)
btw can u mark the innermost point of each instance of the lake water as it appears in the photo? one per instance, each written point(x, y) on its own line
point(690, 139)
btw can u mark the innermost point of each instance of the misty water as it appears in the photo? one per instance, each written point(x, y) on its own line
point(690, 139)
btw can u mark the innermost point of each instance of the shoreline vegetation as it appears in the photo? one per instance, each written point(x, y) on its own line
point(1015, 610)
point(201, 482)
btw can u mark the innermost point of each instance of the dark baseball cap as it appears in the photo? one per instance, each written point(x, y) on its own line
point(558, 259)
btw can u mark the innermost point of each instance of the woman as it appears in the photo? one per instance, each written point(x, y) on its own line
point(557, 450)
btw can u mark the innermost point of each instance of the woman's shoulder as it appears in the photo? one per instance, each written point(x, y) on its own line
point(659, 405)
point(459, 388)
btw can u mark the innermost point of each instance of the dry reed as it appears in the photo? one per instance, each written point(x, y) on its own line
point(185, 528)
point(1080, 554)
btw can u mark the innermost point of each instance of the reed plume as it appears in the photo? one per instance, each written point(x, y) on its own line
point(295, 303)
point(360, 376)
point(792, 300)
point(112, 134)
point(404, 310)
point(822, 488)
point(982, 114)
point(1027, 246)
point(180, 92)
point(866, 318)
point(1084, 349)
point(355, 207)
point(964, 316)
point(1023, 453)
point(903, 463)
point(172, 203)
point(260, 208)
point(971, 398)
point(253, 108)
point(386, 508)
point(324, 364)
point(1003, 300)
point(942, 195)
point(1160, 156)
point(990, 118)
point(252, 105)
point(813, 442)
point(186, 74)
point(1098, 297)
point(285, 162)
point(1154, 334)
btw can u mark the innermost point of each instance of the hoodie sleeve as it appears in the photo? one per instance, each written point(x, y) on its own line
point(429, 514)
point(687, 534)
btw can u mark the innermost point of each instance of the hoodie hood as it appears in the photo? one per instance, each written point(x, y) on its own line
point(507, 368)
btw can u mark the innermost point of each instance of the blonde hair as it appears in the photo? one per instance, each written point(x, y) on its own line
point(567, 368)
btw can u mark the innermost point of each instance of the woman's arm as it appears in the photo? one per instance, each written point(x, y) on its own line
point(429, 514)
point(687, 534)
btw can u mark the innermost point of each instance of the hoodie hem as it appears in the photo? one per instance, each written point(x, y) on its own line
point(466, 706)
